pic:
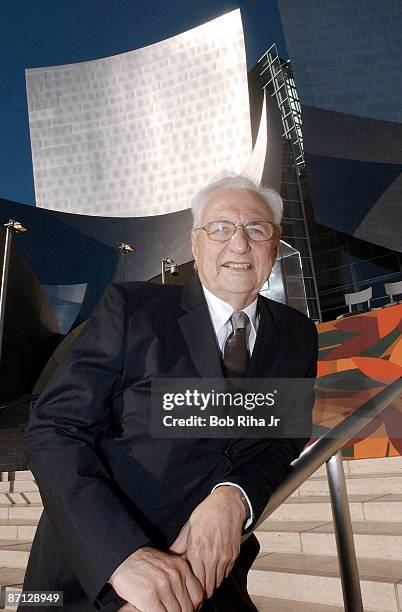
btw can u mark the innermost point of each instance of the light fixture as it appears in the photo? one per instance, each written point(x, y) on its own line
point(127, 248)
point(168, 265)
point(16, 226)
point(11, 227)
point(124, 248)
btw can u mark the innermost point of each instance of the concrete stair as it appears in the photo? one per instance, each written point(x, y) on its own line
point(297, 568)
point(20, 510)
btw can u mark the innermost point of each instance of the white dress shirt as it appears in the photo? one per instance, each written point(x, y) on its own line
point(220, 313)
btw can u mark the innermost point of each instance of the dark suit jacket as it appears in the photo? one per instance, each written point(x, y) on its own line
point(109, 488)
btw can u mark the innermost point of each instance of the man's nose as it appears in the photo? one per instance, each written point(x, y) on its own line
point(239, 242)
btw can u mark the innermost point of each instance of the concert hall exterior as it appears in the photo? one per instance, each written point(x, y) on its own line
point(119, 147)
point(346, 61)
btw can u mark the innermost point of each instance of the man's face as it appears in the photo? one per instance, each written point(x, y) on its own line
point(216, 261)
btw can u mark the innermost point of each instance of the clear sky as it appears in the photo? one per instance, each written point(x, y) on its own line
point(36, 33)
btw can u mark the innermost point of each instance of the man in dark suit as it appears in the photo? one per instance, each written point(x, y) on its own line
point(157, 522)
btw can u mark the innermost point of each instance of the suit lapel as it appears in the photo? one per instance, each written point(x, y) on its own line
point(264, 359)
point(198, 332)
point(200, 339)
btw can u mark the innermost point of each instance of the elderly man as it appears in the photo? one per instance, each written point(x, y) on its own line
point(158, 522)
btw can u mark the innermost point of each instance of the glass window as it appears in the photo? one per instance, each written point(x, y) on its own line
point(289, 191)
point(331, 259)
point(292, 210)
point(293, 228)
point(330, 240)
point(300, 244)
point(382, 266)
point(331, 279)
point(306, 265)
point(359, 251)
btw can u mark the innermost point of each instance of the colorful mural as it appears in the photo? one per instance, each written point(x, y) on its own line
point(359, 356)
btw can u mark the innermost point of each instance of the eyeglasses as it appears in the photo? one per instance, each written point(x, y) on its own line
point(221, 231)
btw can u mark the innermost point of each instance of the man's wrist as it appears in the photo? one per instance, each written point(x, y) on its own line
point(245, 503)
point(123, 564)
point(244, 498)
point(238, 498)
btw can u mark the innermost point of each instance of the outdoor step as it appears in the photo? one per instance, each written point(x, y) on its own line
point(29, 511)
point(388, 465)
point(14, 553)
point(315, 578)
point(355, 485)
point(10, 579)
point(32, 497)
point(24, 475)
point(373, 539)
point(270, 604)
point(17, 475)
point(372, 466)
point(17, 532)
point(25, 485)
point(318, 507)
point(25, 497)
point(18, 486)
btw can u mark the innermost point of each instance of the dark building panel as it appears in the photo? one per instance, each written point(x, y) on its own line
point(30, 332)
point(68, 249)
point(347, 63)
point(345, 54)
point(344, 191)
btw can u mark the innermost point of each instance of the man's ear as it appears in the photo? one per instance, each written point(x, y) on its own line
point(194, 244)
point(275, 246)
point(275, 249)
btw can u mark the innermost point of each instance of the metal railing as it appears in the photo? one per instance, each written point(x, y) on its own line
point(327, 450)
point(30, 399)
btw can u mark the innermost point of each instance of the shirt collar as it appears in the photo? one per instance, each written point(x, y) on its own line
point(221, 311)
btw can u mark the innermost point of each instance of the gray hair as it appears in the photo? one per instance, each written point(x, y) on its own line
point(241, 183)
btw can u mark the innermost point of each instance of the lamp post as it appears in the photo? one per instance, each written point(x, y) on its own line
point(11, 227)
point(124, 248)
point(168, 264)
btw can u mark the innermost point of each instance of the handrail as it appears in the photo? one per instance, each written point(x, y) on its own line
point(315, 455)
point(327, 450)
point(30, 397)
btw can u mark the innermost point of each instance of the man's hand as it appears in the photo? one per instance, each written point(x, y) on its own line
point(150, 579)
point(210, 540)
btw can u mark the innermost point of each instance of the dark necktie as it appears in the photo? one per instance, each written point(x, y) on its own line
point(235, 353)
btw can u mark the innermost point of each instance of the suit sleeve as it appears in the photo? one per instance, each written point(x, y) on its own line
point(96, 530)
point(262, 473)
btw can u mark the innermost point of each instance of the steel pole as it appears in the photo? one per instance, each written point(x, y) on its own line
point(163, 271)
point(4, 278)
point(352, 597)
point(122, 266)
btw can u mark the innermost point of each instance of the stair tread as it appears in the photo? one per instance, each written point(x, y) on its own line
point(379, 570)
point(290, 526)
point(11, 576)
point(359, 527)
point(371, 475)
point(7, 522)
point(272, 604)
point(23, 545)
point(353, 498)
point(27, 504)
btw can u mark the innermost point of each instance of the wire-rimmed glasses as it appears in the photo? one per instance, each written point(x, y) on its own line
point(221, 231)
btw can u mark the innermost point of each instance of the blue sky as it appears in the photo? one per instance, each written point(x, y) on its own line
point(49, 32)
